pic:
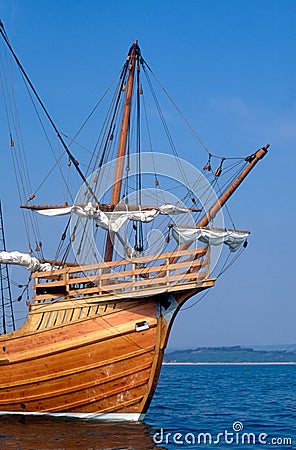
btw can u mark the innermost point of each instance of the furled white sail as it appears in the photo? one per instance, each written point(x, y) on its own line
point(55, 211)
point(172, 209)
point(212, 236)
point(23, 259)
point(113, 221)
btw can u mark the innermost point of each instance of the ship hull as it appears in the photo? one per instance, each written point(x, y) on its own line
point(89, 359)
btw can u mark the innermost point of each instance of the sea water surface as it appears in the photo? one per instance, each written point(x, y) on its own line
point(225, 401)
point(195, 406)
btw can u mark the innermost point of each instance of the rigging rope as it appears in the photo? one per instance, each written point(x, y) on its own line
point(72, 158)
point(184, 118)
point(223, 269)
point(19, 164)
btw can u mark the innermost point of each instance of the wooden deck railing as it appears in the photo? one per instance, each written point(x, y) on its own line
point(126, 276)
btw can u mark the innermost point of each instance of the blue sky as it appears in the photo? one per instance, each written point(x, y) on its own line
point(230, 66)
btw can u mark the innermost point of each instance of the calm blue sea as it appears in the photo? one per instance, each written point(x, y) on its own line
point(259, 401)
point(195, 407)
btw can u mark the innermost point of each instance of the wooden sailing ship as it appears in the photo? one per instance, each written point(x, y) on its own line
point(94, 339)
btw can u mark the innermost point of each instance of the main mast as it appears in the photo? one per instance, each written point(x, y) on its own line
point(133, 55)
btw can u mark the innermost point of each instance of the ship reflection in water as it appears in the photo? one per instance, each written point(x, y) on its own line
point(44, 432)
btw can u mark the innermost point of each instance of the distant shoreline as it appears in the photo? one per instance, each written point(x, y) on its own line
point(271, 363)
point(234, 355)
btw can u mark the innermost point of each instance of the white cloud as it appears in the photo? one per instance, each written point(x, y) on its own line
point(287, 127)
point(230, 104)
point(259, 120)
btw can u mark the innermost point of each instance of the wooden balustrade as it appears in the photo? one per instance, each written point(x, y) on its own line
point(135, 276)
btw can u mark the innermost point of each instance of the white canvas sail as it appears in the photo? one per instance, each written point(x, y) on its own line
point(113, 221)
point(23, 259)
point(211, 236)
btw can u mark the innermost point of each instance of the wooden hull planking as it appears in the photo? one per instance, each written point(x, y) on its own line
point(95, 354)
point(94, 365)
